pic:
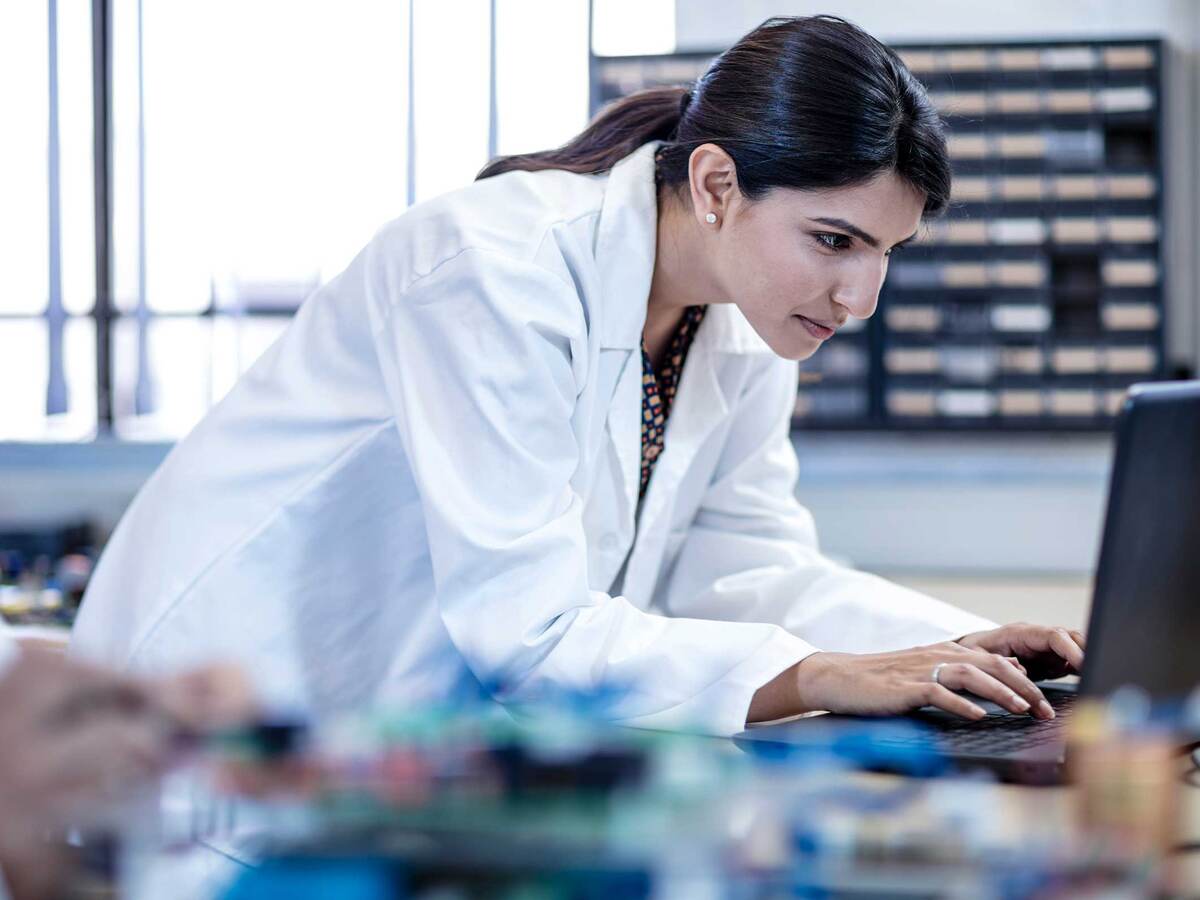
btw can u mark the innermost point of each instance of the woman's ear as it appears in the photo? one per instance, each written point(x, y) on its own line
point(712, 176)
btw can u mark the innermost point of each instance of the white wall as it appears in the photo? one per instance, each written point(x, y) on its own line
point(957, 503)
point(709, 24)
point(716, 23)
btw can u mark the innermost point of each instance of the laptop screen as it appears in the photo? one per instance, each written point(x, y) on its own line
point(1145, 622)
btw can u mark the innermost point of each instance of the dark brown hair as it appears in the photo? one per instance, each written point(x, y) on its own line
point(804, 103)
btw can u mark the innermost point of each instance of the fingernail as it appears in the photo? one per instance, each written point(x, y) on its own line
point(1020, 703)
point(979, 712)
point(1046, 709)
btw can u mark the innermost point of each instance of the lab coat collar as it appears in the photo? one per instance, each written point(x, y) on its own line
point(625, 249)
point(725, 330)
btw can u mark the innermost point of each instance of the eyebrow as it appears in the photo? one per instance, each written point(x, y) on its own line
point(858, 232)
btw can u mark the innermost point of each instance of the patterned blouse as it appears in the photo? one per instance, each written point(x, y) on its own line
point(658, 391)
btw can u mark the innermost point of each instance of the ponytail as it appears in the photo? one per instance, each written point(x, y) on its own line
point(618, 130)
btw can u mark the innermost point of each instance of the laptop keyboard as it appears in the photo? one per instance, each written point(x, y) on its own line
point(1001, 734)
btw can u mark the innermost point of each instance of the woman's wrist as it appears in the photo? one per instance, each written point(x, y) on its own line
point(792, 692)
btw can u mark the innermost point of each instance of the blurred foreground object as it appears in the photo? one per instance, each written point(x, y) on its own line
point(81, 746)
point(1125, 765)
point(475, 803)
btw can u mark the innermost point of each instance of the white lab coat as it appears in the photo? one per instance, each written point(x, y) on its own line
point(430, 483)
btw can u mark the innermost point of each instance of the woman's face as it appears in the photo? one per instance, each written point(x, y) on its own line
point(798, 264)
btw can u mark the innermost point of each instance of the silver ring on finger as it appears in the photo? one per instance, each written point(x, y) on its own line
point(936, 673)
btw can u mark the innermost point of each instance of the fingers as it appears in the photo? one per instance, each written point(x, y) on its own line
point(1030, 640)
point(1064, 644)
point(1049, 652)
point(80, 703)
point(1016, 682)
point(970, 677)
point(81, 769)
point(137, 748)
point(208, 699)
point(52, 692)
point(932, 694)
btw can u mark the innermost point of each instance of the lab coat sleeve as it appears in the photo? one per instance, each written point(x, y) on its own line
point(751, 552)
point(484, 360)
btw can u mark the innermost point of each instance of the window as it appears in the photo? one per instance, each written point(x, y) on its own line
point(256, 147)
point(47, 337)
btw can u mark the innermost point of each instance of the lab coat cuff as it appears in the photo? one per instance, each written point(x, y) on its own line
point(731, 705)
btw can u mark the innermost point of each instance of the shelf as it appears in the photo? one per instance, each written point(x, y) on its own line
point(1039, 298)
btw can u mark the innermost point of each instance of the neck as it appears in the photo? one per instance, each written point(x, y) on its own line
point(680, 272)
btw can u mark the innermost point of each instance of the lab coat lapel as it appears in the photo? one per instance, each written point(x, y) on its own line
point(702, 401)
point(625, 248)
point(700, 406)
point(625, 433)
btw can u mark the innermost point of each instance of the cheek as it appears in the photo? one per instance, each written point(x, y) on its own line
point(770, 274)
point(769, 277)
point(770, 296)
point(781, 289)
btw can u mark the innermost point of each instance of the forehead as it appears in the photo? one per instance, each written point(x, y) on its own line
point(887, 206)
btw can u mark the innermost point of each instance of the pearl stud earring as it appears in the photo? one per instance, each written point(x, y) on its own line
point(711, 218)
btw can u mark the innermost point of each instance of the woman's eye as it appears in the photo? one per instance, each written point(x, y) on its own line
point(833, 241)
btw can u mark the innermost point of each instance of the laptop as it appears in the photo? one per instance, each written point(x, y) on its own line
point(1144, 627)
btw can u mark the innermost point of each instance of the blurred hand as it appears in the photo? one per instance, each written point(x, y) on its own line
point(208, 699)
point(1045, 652)
point(74, 738)
point(77, 740)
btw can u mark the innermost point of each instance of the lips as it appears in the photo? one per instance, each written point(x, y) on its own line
point(816, 329)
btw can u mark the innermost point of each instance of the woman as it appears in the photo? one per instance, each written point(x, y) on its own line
point(536, 435)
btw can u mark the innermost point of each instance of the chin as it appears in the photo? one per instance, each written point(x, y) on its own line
point(794, 350)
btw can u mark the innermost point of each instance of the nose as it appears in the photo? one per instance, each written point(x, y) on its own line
point(858, 291)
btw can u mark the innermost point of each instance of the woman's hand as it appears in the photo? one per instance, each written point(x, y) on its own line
point(1045, 652)
point(875, 684)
